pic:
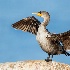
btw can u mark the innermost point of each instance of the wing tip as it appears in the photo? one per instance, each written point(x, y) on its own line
point(12, 25)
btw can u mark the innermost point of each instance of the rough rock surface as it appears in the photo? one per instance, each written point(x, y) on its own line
point(34, 65)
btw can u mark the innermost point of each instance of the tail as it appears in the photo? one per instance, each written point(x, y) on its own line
point(65, 52)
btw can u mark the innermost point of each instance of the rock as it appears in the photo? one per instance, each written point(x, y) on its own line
point(34, 65)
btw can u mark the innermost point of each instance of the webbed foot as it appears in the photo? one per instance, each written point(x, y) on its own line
point(47, 60)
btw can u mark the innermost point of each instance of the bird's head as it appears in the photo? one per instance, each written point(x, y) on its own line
point(45, 15)
point(42, 14)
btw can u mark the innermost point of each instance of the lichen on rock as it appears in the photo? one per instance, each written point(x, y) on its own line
point(34, 65)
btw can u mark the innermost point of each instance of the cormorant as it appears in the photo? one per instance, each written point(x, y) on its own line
point(51, 43)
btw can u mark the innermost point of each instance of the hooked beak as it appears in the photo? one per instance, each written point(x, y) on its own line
point(38, 14)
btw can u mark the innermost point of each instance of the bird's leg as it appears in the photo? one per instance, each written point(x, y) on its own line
point(52, 55)
point(48, 58)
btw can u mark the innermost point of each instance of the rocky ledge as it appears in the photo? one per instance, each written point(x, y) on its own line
point(34, 65)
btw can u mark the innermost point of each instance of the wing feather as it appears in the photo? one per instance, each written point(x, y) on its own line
point(64, 38)
point(29, 24)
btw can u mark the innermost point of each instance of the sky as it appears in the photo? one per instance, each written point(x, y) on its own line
point(16, 45)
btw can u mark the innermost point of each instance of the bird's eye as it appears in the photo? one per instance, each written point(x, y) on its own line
point(39, 12)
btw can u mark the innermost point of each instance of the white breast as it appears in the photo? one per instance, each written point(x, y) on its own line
point(41, 38)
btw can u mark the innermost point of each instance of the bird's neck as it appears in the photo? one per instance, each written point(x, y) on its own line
point(46, 21)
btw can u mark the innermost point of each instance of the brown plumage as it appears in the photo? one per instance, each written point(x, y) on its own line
point(53, 44)
point(64, 38)
point(29, 24)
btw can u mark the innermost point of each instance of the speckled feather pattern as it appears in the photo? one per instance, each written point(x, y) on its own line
point(29, 24)
point(48, 42)
point(64, 38)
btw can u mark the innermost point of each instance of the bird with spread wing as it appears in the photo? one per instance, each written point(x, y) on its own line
point(53, 44)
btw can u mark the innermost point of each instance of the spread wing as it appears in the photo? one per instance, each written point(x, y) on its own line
point(29, 24)
point(64, 38)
